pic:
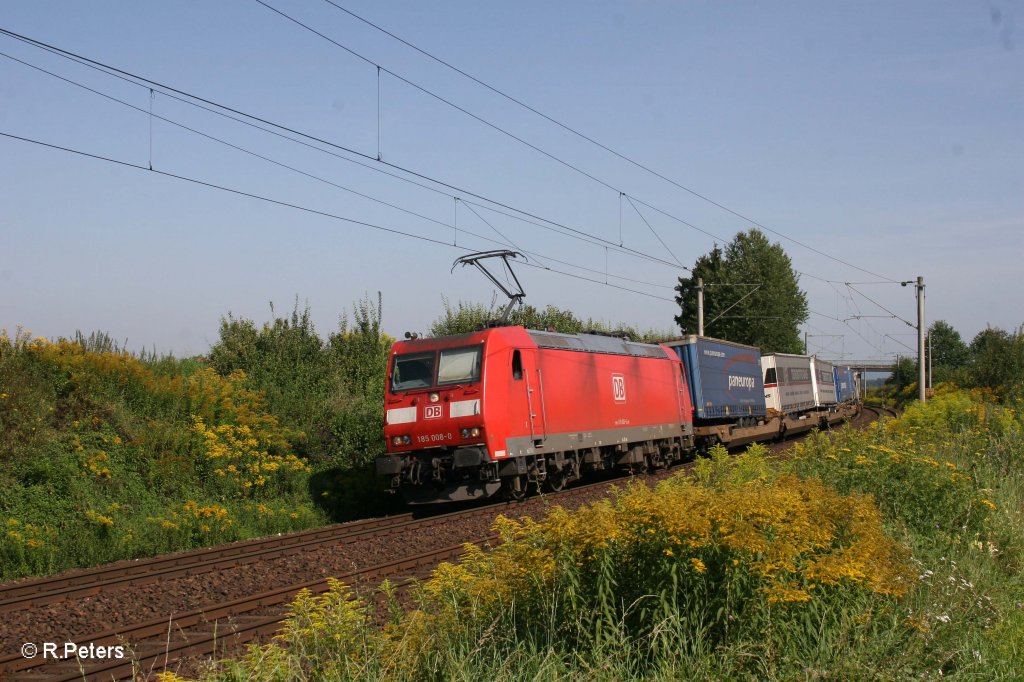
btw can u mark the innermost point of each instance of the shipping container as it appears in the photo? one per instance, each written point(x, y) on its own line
point(787, 382)
point(845, 389)
point(823, 374)
point(724, 377)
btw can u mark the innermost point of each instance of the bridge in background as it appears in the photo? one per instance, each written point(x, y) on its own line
point(869, 366)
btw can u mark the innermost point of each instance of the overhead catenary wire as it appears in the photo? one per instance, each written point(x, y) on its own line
point(496, 230)
point(199, 102)
point(605, 242)
point(545, 153)
point(286, 204)
point(906, 322)
point(324, 180)
point(649, 227)
point(581, 135)
point(850, 327)
point(438, 97)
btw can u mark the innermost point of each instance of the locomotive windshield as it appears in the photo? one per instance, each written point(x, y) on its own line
point(453, 365)
point(459, 365)
point(413, 371)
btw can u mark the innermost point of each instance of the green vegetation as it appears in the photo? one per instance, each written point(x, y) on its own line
point(894, 553)
point(467, 317)
point(751, 295)
point(992, 362)
point(105, 455)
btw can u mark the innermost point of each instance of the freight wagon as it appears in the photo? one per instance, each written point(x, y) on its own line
point(727, 391)
point(792, 384)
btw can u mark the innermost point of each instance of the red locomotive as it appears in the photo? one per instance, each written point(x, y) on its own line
point(507, 408)
point(504, 408)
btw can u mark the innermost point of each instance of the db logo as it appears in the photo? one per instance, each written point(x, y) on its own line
point(433, 411)
point(619, 388)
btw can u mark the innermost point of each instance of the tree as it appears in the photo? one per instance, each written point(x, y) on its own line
point(752, 295)
point(949, 354)
point(947, 348)
point(997, 361)
point(905, 374)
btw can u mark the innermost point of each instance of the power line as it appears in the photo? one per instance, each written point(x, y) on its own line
point(846, 324)
point(909, 324)
point(439, 98)
point(567, 128)
point(324, 180)
point(278, 202)
point(448, 102)
point(295, 132)
point(643, 218)
point(179, 95)
point(224, 142)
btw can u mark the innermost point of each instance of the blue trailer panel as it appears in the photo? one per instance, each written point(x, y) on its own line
point(845, 391)
point(724, 377)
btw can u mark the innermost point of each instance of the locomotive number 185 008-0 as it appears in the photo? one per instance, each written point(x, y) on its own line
point(434, 438)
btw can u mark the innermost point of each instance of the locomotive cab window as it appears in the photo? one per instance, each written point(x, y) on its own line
point(459, 365)
point(413, 371)
point(517, 365)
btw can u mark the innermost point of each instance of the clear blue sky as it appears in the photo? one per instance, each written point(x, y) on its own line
point(890, 135)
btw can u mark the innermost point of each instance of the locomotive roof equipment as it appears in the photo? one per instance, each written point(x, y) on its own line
point(515, 294)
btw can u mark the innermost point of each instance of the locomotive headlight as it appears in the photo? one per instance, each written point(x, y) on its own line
point(397, 440)
point(464, 433)
point(434, 397)
point(474, 432)
point(406, 440)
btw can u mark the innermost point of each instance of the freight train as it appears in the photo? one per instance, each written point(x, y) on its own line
point(508, 409)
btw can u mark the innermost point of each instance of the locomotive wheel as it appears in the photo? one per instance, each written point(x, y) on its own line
point(515, 488)
point(555, 480)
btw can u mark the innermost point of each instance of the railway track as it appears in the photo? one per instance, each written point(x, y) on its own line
point(159, 643)
point(882, 411)
point(30, 593)
point(162, 643)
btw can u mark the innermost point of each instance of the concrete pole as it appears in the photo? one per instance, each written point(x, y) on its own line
point(920, 340)
point(700, 306)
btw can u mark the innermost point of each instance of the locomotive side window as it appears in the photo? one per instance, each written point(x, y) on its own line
point(459, 365)
point(517, 365)
point(413, 371)
point(769, 375)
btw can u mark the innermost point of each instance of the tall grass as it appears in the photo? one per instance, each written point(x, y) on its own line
point(891, 554)
point(107, 455)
